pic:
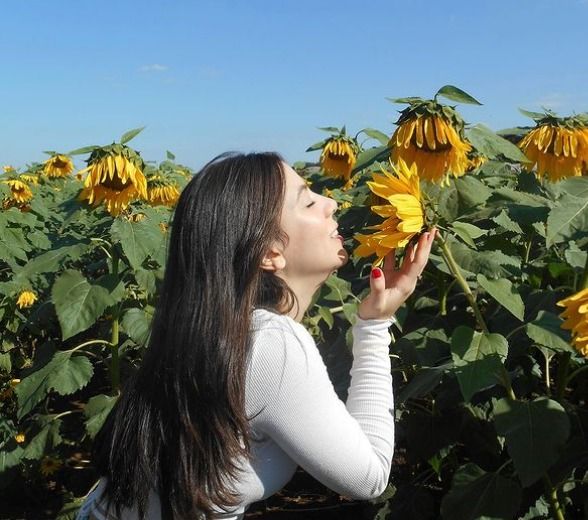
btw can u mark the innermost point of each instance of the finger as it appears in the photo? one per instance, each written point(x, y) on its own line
point(377, 283)
point(415, 267)
point(389, 262)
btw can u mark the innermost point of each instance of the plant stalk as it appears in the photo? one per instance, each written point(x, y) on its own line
point(456, 271)
point(551, 492)
point(115, 360)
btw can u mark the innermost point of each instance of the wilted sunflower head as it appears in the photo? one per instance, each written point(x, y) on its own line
point(26, 299)
point(20, 193)
point(339, 156)
point(558, 146)
point(50, 465)
point(575, 315)
point(399, 188)
point(115, 177)
point(162, 192)
point(431, 135)
point(58, 165)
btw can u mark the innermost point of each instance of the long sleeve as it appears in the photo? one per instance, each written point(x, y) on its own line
point(347, 447)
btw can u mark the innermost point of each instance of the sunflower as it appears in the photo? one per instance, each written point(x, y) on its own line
point(20, 193)
point(26, 299)
point(403, 210)
point(431, 136)
point(49, 465)
point(475, 160)
point(8, 168)
point(29, 179)
point(558, 146)
point(20, 438)
point(58, 165)
point(162, 193)
point(576, 319)
point(115, 177)
point(339, 157)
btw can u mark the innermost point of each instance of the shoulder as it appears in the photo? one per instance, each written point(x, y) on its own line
point(279, 344)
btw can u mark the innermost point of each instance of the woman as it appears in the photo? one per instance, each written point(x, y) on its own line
point(232, 394)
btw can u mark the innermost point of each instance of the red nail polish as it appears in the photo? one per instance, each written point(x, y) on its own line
point(376, 272)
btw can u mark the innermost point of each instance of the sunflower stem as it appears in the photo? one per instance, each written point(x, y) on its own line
point(551, 492)
point(456, 271)
point(562, 375)
point(584, 280)
point(115, 361)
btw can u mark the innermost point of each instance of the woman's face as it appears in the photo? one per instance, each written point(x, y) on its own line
point(314, 247)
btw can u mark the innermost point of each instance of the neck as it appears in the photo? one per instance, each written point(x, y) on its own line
point(304, 290)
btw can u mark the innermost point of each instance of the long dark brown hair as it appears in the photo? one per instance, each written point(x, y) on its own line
point(180, 427)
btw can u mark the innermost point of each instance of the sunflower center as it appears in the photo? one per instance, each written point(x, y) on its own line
point(116, 184)
point(59, 163)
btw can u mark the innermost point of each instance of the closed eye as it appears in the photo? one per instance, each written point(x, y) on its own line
point(311, 204)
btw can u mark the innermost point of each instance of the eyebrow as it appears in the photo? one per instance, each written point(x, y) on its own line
point(301, 188)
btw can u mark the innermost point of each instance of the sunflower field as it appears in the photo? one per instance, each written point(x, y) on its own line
point(489, 356)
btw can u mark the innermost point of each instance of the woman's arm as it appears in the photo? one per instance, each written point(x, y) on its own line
point(347, 448)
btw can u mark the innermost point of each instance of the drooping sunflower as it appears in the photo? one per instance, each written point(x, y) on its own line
point(26, 299)
point(58, 165)
point(20, 193)
point(161, 192)
point(558, 146)
point(115, 178)
point(575, 315)
point(399, 187)
point(49, 466)
point(339, 156)
point(431, 135)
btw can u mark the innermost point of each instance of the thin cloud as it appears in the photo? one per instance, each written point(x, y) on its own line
point(154, 67)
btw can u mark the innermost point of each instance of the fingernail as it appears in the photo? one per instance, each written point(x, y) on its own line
point(376, 272)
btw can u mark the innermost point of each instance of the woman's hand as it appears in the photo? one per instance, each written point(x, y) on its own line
point(389, 287)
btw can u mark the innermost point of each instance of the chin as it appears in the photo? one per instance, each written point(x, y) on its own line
point(343, 257)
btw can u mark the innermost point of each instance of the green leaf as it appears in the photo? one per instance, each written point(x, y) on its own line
point(505, 293)
point(96, 412)
point(505, 222)
point(471, 192)
point(44, 441)
point(127, 136)
point(456, 94)
point(69, 511)
point(170, 156)
point(570, 215)
point(5, 363)
point(9, 459)
point(330, 129)
point(406, 100)
point(84, 150)
point(79, 304)
point(425, 380)
point(136, 323)
point(533, 115)
point(475, 494)
point(64, 374)
point(535, 432)
point(377, 135)
point(477, 358)
point(51, 261)
point(546, 330)
point(137, 239)
point(370, 156)
point(339, 289)
point(576, 186)
point(467, 232)
point(317, 146)
point(493, 146)
point(326, 315)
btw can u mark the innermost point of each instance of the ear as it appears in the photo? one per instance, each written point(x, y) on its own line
point(273, 260)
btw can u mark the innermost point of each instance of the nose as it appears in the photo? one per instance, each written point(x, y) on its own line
point(331, 205)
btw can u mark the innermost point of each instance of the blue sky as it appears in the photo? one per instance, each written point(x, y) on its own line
point(210, 76)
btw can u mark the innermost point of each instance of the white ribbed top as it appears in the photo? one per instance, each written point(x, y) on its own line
point(298, 420)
